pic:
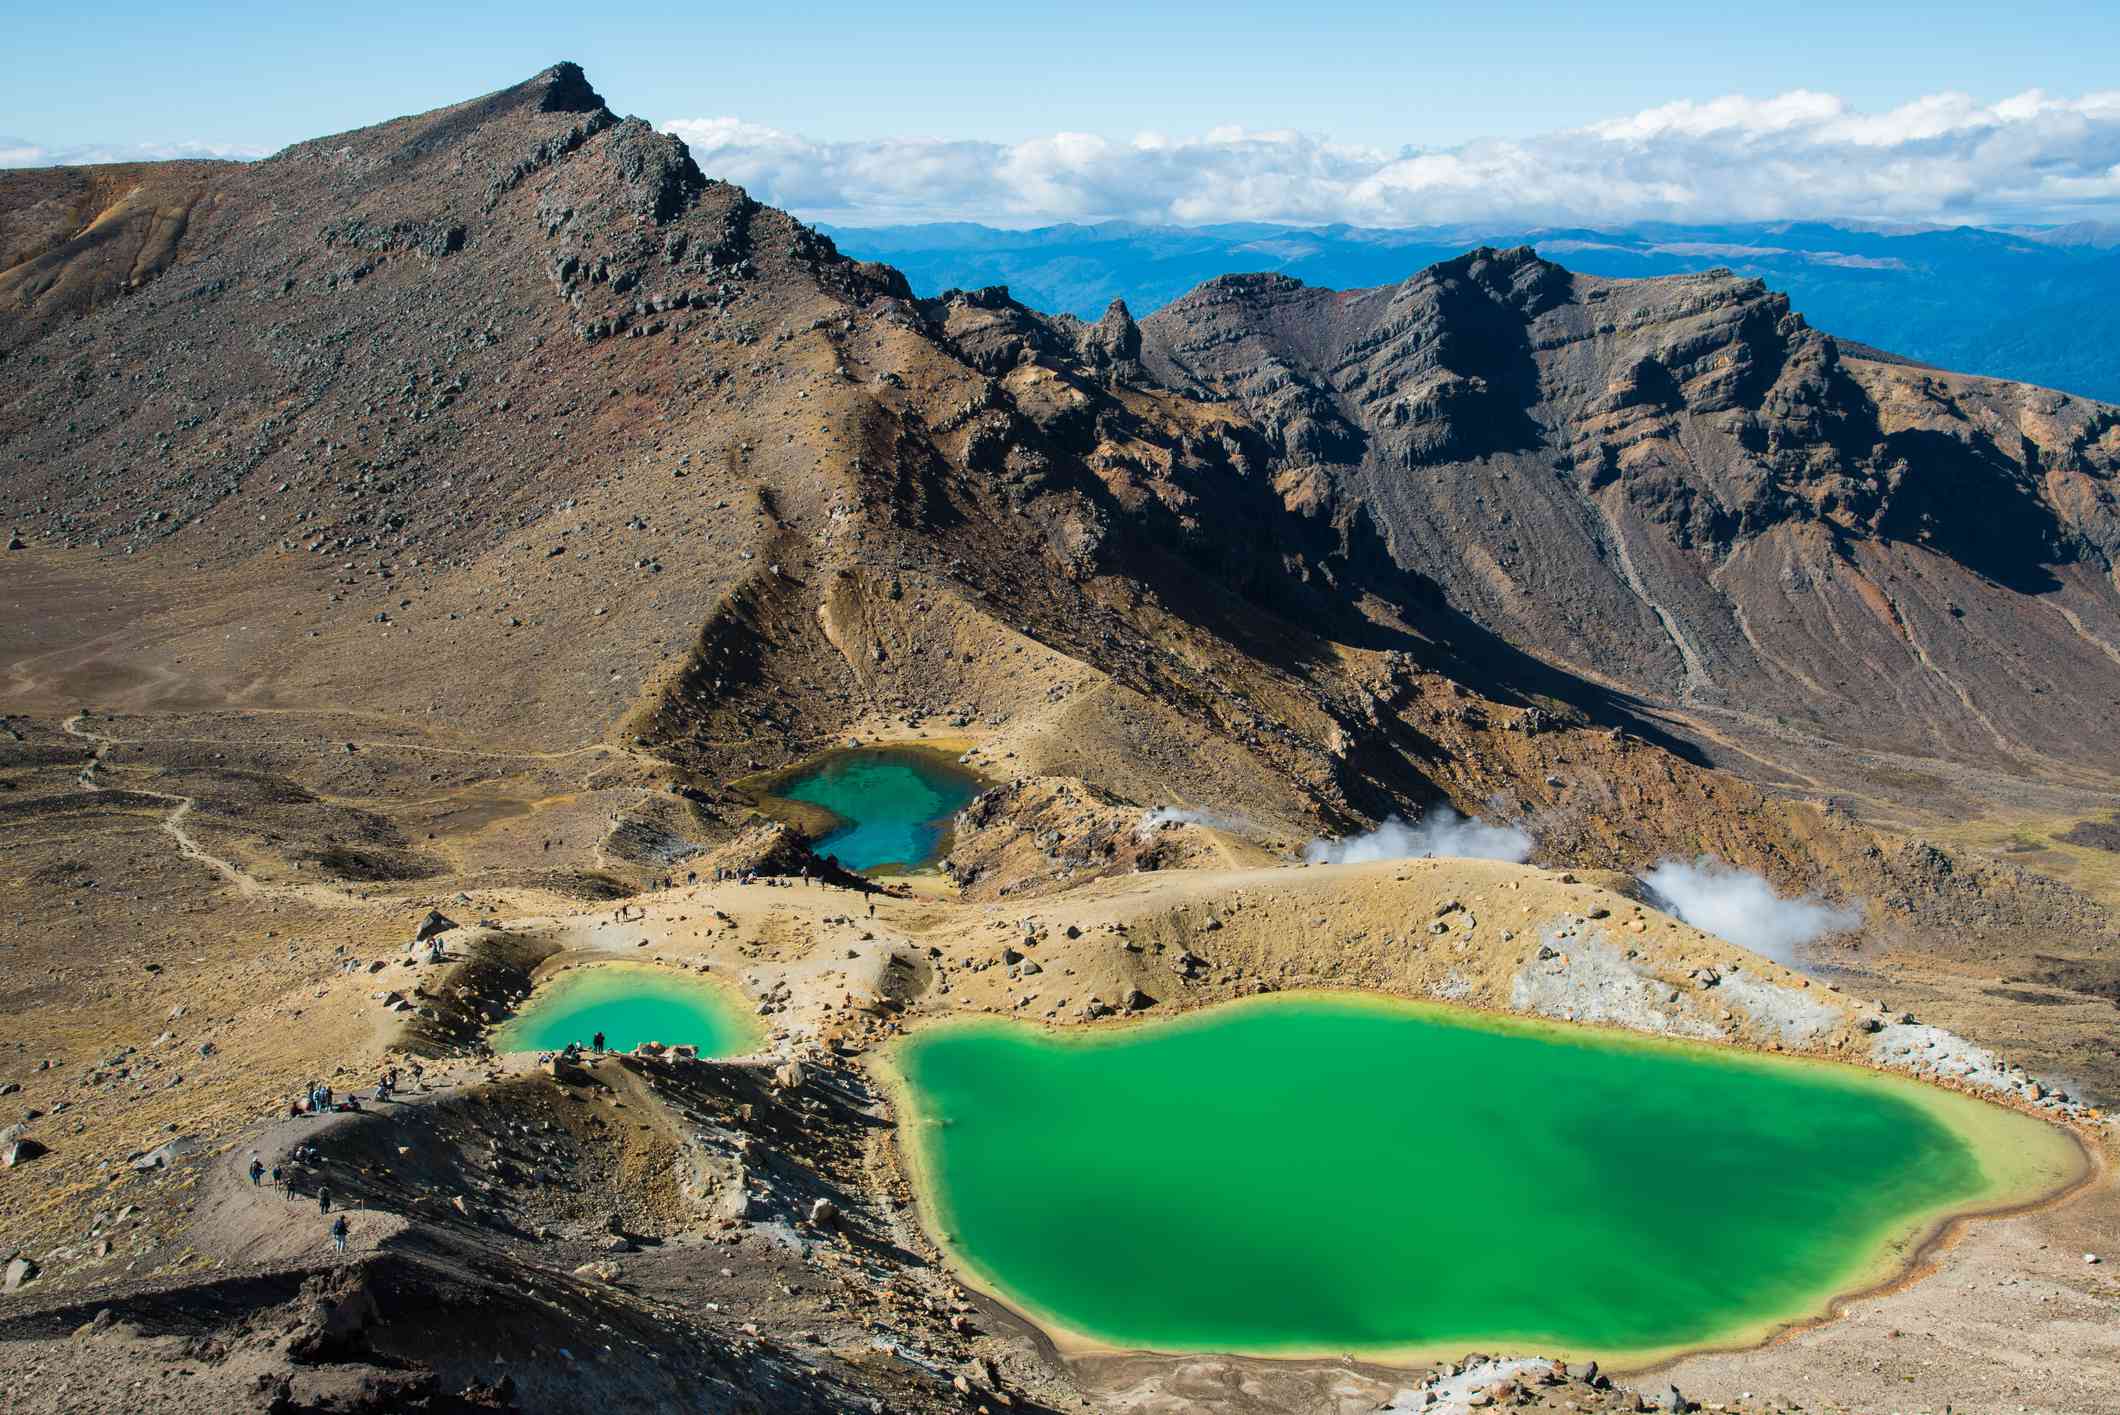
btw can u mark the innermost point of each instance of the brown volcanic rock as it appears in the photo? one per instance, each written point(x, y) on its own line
point(1679, 487)
point(505, 418)
point(73, 239)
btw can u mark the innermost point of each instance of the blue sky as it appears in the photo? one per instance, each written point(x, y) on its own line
point(821, 80)
point(1383, 74)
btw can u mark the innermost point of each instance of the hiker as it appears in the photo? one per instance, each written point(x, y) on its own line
point(323, 1198)
point(279, 1182)
point(338, 1233)
point(872, 908)
point(597, 1041)
point(257, 1170)
point(805, 874)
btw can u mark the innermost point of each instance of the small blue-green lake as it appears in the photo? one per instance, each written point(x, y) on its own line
point(880, 809)
point(631, 1003)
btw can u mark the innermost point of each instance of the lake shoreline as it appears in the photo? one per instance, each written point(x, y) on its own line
point(764, 792)
point(723, 1005)
point(1905, 1254)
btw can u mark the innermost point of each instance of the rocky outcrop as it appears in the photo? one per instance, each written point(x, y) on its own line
point(1114, 341)
point(1679, 486)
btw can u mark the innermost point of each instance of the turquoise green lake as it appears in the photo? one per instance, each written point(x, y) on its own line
point(1326, 1173)
point(892, 808)
point(631, 1003)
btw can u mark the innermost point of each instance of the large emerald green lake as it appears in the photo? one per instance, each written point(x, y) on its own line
point(888, 808)
point(1327, 1173)
point(630, 1003)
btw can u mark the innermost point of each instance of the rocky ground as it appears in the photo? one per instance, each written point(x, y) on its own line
point(748, 1221)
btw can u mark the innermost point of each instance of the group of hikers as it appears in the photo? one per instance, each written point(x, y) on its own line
point(729, 875)
point(282, 1181)
point(318, 1099)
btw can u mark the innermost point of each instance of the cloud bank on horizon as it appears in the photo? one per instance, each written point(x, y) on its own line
point(1801, 154)
point(20, 152)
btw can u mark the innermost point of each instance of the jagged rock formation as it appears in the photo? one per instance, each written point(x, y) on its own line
point(1678, 487)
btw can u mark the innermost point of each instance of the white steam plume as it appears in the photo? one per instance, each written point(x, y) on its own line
point(1742, 907)
point(1442, 831)
point(1179, 815)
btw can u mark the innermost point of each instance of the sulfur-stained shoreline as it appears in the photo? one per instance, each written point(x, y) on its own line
point(2027, 1162)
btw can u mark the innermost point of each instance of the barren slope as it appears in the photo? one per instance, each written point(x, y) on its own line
point(1678, 487)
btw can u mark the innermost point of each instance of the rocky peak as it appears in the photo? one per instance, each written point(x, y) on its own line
point(1113, 339)
point(565, 89)
point(989, 330)
point(1667, 458)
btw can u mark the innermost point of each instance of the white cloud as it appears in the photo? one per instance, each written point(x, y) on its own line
point(20, 152)
point(1949, 157)
point(1801, 154)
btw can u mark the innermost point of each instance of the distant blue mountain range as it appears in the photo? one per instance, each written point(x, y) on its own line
point(2041, 304)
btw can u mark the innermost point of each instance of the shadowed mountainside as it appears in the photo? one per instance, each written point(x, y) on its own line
point(1678, 487)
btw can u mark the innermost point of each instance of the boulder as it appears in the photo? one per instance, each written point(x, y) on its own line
point(19, 1271)
point(164, 1155)
point(824, 1214)
point(20, 1151)
point(435, 923)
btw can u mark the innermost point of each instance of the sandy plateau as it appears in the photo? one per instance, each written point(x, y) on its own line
point(313, 991)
